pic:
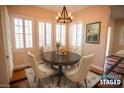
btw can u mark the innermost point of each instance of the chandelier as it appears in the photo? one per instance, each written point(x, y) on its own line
point(64, 17)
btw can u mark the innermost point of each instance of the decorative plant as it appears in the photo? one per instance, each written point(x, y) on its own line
point(58, 44)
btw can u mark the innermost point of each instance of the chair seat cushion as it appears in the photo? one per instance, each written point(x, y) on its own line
point(71, 71)
point(46, 69)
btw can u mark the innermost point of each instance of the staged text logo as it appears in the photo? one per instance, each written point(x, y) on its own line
point(110, 79)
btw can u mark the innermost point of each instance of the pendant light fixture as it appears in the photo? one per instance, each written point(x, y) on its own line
point(64, 16)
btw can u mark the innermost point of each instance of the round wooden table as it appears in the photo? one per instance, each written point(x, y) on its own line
point(52, 58)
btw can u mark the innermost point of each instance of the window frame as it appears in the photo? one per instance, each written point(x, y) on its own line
point(65, 34)
point(12, 17)
point(45, 21)
point(82, 38)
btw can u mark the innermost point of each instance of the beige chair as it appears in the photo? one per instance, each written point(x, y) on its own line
point(79, 73)
point(40, 71)
point(45, 49)
point(76, 50)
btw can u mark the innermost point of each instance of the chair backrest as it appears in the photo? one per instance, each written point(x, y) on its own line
point(32, 58)
point(34, 63)
point(76, 50)
point(45, 49)
point(84, 66)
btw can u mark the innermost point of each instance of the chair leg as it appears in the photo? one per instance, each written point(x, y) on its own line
point(85, 82)
point(64, 82)
point(78, 85)
point(34, 78)
point(39, 82)
point(52, 79)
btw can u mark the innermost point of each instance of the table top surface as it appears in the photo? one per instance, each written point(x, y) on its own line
point(51, 57)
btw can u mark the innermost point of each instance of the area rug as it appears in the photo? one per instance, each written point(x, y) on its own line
point(51, 82)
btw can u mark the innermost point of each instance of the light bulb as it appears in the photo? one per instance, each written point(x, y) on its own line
point(69, 14)
point(59, 14)
point(57, 17)
point(71, 17)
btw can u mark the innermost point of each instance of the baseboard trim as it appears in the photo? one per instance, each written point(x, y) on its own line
point(4, 86)
point(25, 78)
point(94, 68)
point(97, 69)
point(20, 67)
point(23, 66)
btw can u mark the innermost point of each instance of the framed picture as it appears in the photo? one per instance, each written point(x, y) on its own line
point(93, 32)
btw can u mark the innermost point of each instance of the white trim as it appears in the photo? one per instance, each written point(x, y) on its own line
point(4, 86)
point(71, 47)
point(45, 21)
point(21, 16)
point(97, 67)
point(65, 33)
point(109, 32)
point(13, 32)
point(76, 23)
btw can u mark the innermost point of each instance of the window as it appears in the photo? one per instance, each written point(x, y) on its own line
point(76, 35)
point(45, 34)
point(18, 27)
point(28, 34)
point(61, 34)
point(23, 33)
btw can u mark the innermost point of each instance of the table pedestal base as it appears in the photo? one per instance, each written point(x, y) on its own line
point(60, 75)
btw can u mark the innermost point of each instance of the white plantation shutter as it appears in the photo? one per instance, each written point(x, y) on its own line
point(76, 35)
point(18, 28)
point(61, 34)
point(28, 34)
point(58, 33)
point(23, 33)
point(79, 34)
point(48, 34)
point(73, 35)
point(41, 33)
point(45, 34)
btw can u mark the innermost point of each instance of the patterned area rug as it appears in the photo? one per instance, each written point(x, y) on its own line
point(51, 82)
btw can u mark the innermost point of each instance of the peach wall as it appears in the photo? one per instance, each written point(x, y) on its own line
point(88, 15)
point(112, 24)
point(116, 46)
point(95, 14)
point(21, 58)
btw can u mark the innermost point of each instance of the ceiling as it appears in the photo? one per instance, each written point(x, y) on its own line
point(117, 12)
point(58, 8)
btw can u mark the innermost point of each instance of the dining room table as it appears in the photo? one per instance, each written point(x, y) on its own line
point(53, 58)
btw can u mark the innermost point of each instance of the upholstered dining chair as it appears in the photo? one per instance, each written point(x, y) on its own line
point(80, 72)
point(45, 49)
point(40, 71)
point(77, 50)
